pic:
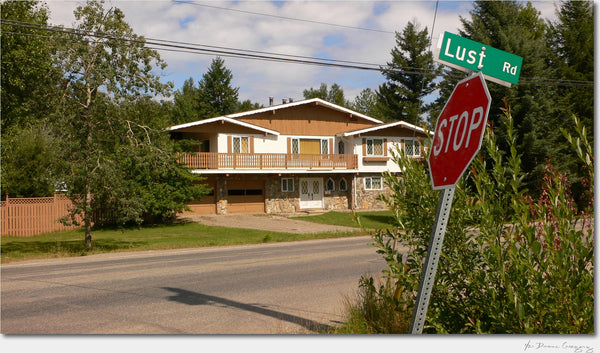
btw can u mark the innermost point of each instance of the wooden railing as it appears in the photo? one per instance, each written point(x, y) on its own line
point(260, 161)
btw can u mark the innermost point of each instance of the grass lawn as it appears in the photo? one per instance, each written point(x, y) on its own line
point(186, 235)
point(368, 219)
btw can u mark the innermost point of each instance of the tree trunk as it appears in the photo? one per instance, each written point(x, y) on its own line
point(87, 217)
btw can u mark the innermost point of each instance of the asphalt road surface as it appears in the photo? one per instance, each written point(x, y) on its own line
point(282, 288)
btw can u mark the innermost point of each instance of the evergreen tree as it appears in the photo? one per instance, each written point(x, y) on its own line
point(517, 28)
point(410, 77)
point(366, 103)
point(571, 39)
point(247, 105)
point(333, 94)
point(216, 96)
point(185, 104)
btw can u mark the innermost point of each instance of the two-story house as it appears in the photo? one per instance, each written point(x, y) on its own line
point(302, 155)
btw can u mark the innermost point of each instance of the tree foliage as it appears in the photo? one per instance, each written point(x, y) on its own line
point(29, 78)
point(410, 77)
point(333, 94)
point(510, 263)
point(114, 160)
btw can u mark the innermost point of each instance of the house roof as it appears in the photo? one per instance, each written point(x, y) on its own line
point(385, 126)
point(223, 119)
point(232, 117)
point(302, 102)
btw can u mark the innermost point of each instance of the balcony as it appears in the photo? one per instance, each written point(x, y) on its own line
point(268, 161)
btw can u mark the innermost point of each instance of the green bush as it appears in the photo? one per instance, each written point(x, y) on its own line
point(509, 263)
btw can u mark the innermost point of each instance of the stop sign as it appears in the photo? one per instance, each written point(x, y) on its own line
point(459, 131)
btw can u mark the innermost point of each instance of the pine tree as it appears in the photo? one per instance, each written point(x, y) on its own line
point(571, 39)
point(185, 104)
point(216, 96)
point(516, 28)
point(333, 94)
point(410, 77)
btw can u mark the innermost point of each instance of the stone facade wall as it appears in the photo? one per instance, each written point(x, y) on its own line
point(278, 201)
point(368, 199)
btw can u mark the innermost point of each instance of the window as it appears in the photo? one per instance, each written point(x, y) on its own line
point(295, 146)
point(374, 147)
point(241, 145)
point(287, 184)
point(373, 183)
point(324, 146)
point(412, 148)
point(330, 185)
point(343, 184)
point(341, 147)
point(309, 146)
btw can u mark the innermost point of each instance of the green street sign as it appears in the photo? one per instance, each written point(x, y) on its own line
point(468, 55)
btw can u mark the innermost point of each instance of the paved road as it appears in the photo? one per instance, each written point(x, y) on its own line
point(284, 288)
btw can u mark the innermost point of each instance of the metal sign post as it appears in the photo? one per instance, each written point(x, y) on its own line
point(431, 261)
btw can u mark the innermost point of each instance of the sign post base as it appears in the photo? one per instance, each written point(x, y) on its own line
point(431, 261)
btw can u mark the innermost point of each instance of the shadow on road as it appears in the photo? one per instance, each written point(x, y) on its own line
point(192, 298)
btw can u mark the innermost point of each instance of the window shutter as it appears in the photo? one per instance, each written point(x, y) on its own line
point(385, 152)
point(251, 144)
point(289, 145)
point(330, 146)
point(364, 147)
point(229, 144)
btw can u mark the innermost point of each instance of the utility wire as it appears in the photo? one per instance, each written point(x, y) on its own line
point(281, 17)
point(173, 46)
point(221, 51)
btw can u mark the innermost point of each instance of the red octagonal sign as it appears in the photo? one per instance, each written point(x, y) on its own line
point(459, 131)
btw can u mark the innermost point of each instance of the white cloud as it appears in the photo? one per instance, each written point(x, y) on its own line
point(161, 19)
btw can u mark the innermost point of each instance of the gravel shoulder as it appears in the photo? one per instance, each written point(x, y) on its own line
point(274, 223)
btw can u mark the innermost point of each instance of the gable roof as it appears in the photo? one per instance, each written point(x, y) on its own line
point(223, 119)
point(231, 117)
point(385, 126)
point(303, 102)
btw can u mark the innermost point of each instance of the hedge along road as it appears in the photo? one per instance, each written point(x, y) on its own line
point(275, 288)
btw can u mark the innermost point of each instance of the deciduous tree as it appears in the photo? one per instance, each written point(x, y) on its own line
point(113, 157)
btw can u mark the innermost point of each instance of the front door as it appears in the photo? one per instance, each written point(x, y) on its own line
point(311, 193)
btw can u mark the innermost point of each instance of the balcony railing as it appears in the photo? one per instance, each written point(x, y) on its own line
point(273, 161)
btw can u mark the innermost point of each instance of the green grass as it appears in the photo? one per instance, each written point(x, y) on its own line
point(368, 219)
point(186, 235)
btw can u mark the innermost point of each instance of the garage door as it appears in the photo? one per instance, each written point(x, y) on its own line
point(205, 205)
point(245, 196)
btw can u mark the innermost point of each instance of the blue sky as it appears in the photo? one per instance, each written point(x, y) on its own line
point(361, 31)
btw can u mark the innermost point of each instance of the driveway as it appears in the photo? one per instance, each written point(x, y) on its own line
point(274, 223)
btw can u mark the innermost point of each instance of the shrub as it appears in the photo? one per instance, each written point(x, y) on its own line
point(509, 263)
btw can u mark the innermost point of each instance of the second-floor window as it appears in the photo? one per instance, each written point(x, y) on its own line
point(374, 147)
point(412, 148)
point(309, 146)
point(241, 145)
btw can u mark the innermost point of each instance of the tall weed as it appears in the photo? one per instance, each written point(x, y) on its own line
point(509, 263)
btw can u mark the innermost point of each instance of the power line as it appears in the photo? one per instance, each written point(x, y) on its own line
point(282, 17)
point(222, 51)
point(192, 48)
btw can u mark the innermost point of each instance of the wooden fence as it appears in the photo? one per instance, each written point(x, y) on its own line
point(24, 217)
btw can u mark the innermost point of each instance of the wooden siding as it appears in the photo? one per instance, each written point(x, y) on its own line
point(265, 161)
point(308, 120)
